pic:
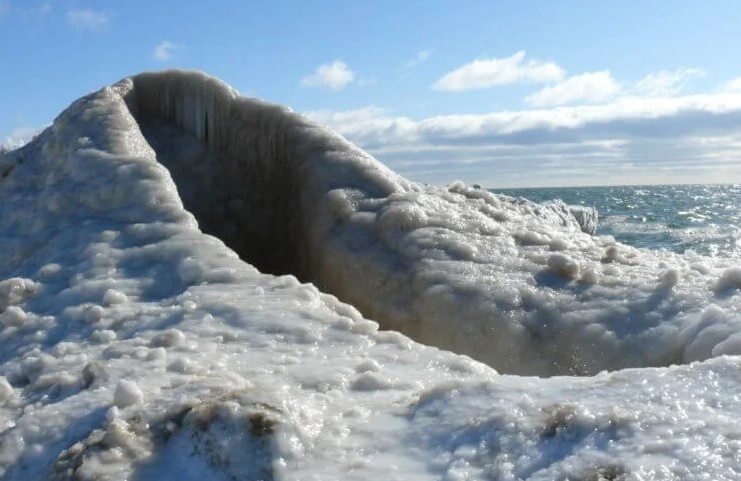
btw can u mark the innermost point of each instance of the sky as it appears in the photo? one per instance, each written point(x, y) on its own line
point(499, 93)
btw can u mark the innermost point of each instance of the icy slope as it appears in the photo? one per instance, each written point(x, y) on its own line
point(135, 346)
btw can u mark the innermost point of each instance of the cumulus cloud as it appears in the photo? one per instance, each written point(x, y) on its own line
point(164, 50)
point(587, 87)
point(665, 83)
point(490, 72)
point(334, 76)
point(628, 140)
point(87, 19)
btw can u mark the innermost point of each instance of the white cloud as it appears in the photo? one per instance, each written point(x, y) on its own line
point(665, 83)
point(630, 139)
point(627, 116)
point(733, 85)
point(421, 57)
point(485, 73)
point(164, 50)
point(582, 88)
point(368, 125)
point(87, 19)
point(334, 76)
point(4, 7)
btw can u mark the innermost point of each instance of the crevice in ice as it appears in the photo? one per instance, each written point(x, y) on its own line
point(239, 189)
point(261, 178)
point(257, 221)
point(253, 174)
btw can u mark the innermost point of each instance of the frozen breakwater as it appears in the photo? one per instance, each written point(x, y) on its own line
point(173, 259)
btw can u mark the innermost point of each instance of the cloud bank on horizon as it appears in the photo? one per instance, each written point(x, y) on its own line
point(561, 105)
point(583, 129)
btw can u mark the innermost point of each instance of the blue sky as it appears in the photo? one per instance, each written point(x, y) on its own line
point(497, 93)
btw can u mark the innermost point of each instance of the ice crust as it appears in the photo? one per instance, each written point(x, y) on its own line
point(135, 346)
point(586, 217)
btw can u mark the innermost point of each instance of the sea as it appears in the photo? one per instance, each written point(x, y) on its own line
point(703, 218)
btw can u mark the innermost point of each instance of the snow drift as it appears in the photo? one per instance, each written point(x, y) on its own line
point(134, 345)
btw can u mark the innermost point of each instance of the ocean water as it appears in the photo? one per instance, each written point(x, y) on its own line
point(703, 218)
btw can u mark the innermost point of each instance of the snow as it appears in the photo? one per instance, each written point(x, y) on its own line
point(564, 266)
point(187, 286)
point(112, 296)
point(13, 316)
point(6, 390)
point(127, 394)
point(669, 278)
point(730, 279)
point(169, 338)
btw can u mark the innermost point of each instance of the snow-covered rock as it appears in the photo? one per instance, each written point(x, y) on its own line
point(136, 343)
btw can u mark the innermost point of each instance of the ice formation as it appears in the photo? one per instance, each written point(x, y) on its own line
point(586, 217)
point(135, 345)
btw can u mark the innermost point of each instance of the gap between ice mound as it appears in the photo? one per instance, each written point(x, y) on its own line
point(511, 283)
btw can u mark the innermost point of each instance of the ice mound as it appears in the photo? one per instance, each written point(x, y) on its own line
point(456, 267)
point(135, 346)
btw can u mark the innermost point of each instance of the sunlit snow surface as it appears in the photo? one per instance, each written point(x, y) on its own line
point(133, 346)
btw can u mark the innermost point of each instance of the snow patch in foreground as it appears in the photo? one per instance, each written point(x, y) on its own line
point(133, 345)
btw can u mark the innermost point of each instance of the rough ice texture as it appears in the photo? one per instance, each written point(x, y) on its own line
point(586, 217)
point(115, 295)
point(127, 393)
